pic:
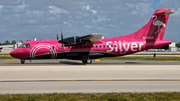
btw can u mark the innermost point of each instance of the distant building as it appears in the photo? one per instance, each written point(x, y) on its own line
point(17, 45)
point(7, 47)
point(172, 47)
point(10, 47)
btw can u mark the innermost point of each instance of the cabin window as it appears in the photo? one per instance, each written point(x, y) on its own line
point(100, 46)
point(88, 46)
point(107, 45)
point(69, 46)
point(84, 46)
point(104, 46)
point(80, 46)
point(57, 47)
point(25, 45)
point(111, 45)
point(115, 45)
point(64, 47)
point(96, 46)
point(76, 46)
point(72, 47)
point(92, 46)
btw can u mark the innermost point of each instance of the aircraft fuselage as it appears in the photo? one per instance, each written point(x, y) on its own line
point(51, 49)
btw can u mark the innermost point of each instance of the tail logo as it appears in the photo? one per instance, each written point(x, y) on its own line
point(158, 23)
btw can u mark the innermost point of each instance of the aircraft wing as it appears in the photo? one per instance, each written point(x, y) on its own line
point(79, 40)
point(92, 37)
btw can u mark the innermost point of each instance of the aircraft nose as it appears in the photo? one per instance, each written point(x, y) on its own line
point(13, 53)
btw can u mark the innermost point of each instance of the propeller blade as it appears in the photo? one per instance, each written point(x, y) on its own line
point(57, 36)
point(61, 37)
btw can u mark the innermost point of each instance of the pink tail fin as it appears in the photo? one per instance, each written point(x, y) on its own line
point(154, 29)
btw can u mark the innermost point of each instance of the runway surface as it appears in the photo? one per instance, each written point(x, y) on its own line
point(60, 62)
point(106, 76)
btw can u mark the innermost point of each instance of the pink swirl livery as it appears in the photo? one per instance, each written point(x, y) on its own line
point(91, 46)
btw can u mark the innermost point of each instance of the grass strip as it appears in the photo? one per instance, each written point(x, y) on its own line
point(161, 96)
point(7, 58)
point(4, 55)
point(144, 58)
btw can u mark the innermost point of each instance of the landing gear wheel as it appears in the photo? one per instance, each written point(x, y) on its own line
point(87, 61)
point(22, 62)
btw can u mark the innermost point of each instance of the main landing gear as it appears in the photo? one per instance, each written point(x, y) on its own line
point(87, 60)
point(22, 61)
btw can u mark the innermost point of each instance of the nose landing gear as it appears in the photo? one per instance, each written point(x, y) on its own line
point(22, 61)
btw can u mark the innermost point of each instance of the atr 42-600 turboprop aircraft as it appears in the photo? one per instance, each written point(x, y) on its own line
point(90, 47)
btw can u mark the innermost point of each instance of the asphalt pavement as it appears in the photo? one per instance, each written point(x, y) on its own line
point(106, 76)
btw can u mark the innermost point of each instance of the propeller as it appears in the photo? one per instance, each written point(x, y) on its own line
point(62, 37)
point(61, 41)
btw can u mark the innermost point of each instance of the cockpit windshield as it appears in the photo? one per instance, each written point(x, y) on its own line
point(24, 45)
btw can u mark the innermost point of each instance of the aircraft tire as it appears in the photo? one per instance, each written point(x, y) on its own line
point(84, 61)
point(22, 62)
point(89, 61)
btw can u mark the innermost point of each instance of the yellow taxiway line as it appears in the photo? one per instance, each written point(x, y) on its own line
point(11, 60)
point(97, 60)
point(170, 61)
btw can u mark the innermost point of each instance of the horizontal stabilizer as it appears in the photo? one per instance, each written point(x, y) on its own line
point(164, 13)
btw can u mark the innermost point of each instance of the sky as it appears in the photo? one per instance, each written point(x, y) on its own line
point(43, 19)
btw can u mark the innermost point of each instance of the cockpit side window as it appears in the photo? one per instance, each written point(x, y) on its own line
point(25, 45)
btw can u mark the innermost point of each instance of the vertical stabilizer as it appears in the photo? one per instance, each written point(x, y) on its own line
point(154, 29)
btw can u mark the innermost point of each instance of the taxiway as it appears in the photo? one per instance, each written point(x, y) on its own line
point(106, 76)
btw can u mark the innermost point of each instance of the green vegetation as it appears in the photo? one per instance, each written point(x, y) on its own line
point(5, 56)
point(162, 96)
point(178, 44)
point(144, 58)
point(11, 43)
point(6, 42)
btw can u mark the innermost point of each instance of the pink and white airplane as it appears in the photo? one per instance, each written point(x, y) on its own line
point(90, 47)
